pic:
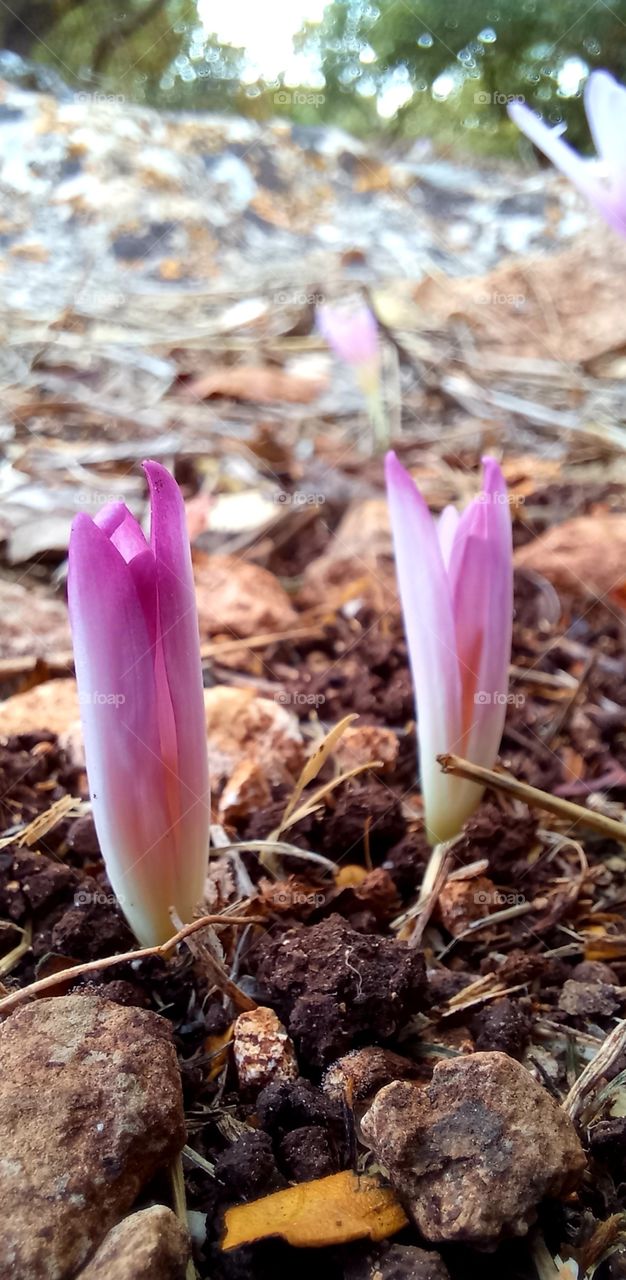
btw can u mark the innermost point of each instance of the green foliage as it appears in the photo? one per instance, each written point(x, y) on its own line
point(494, 50)
point(487, 51)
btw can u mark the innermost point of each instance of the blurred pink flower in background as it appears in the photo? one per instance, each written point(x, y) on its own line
point(352, 333)
point(456, 588)
point(601, 178)
point(137, 654)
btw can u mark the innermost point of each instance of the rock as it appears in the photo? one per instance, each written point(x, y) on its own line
point(463, 901)
point(397, 1262)
point(360, 1074)
point(241, 727)
point(583, 999)
point(333, 986)
point(262, 1050)
point(51, 705)
point(239, 598)
point(362, 743)
point(585, 555)
point(246, 792)
point(149, 1245)
point(472, 1154)
point(90, 1108)
point(595, 971)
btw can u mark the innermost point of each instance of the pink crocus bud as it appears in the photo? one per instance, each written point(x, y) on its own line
point(352, 333)
point(456, 587)
point(137, 655)
point(603, 177)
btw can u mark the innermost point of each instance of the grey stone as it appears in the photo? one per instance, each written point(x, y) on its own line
point(473, 1153)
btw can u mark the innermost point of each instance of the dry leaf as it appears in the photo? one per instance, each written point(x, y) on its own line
point(312, 768)
point(263, 385)
point(526, 306)
point(216, 1048)
point(313, 1215)
point(586, 554)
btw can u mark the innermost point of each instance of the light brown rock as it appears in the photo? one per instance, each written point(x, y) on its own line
point(472, 1154)
point(586, 555)
point(246, 791)
point(149, 1245)
point(244, 727)
point(463, 901)
point(362, 743)
point(262, 1050)
point(237, 598)
point(90, 1108)
point(51, 705)
point(360, 1074)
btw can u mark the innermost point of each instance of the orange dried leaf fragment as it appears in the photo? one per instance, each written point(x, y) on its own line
point(311, 1215)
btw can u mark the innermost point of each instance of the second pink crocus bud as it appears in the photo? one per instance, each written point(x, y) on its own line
point(352, 333)
point(456, 588)
point(137, 655)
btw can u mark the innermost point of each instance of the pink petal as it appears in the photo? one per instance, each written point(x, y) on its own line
point(352, 334)
point(605, 107)
point(121, 527)
point(179, 669)
point(447, 526)
point(429, 625)
point(115, 675)
point(585, 174)
point(483, 612)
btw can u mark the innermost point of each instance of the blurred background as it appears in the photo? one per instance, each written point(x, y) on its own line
point(184, 184)
point(439, 69)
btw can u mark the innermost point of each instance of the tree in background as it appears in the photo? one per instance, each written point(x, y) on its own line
point(465, 59)
point(148, 50)
point(442, 69)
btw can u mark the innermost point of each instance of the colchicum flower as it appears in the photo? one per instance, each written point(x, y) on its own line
point(352, 333)
point(136, 647)
point(603, 178)
point(456, 588)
